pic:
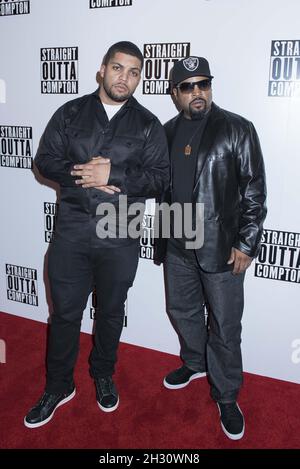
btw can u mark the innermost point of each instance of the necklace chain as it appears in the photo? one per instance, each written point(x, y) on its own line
point(188, 147)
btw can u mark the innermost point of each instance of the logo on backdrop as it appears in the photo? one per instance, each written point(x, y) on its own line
point(50, 214)
point(16, 146)
point(21, 284)
point(59, 70)
point(94, 308)
point(147, 230)
point(14, 7)
point(147, 237)
point(110, 3)
point(279, 257)
point(284, 79)
point(159, 60)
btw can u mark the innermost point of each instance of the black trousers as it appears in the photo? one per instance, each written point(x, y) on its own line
point(217, 349)
point(73, 271)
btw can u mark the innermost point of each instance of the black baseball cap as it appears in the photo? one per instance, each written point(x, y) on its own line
point(190, 67)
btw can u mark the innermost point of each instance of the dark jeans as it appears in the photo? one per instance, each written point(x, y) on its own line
point(218, 349)
point(73, 271)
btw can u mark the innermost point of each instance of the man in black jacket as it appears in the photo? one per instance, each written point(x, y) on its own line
point(216, 160)
point(98, 148)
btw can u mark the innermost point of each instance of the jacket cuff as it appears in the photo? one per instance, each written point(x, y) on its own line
point(116, 176)
point(249, 251)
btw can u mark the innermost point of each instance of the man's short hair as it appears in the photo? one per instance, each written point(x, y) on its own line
point(125, 47)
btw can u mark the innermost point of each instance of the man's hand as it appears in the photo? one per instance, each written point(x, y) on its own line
point(95, 174)
point(108, 189)
point(241, 261)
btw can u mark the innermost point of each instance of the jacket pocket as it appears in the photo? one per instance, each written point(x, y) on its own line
point(127, 151)
point(79, 144)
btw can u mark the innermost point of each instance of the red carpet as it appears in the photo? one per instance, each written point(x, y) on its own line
point(149, 416)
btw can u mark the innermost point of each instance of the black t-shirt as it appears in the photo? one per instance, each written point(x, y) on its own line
point(188, 132)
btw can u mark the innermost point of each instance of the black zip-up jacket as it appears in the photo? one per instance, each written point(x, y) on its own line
point(133, 139)
point(230, 182)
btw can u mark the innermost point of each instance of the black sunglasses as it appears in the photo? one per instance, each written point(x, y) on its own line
point(188, 87)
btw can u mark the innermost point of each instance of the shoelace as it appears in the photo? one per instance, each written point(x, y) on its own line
point(230, 411)
point(105, 385)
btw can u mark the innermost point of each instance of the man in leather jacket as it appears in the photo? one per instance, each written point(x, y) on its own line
point(216, 160)
point(97, 147)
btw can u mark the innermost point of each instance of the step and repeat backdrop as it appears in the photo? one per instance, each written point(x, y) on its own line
point(51, 51)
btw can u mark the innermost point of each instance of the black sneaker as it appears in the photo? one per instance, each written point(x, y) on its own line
point(44, 410)
point(232, 420)
point(181, 377)
point(107, 394)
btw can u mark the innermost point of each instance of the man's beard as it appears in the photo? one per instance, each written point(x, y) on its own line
point(198, 114)
point(119, 98)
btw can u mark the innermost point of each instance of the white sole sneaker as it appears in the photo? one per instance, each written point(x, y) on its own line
point(183, 385)
point(232, 436)
point(40, 424)
point(109, 409)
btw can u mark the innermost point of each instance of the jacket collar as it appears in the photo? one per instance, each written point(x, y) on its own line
point(172, 124)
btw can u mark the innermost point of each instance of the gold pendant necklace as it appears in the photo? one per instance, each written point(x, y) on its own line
point(187, 150)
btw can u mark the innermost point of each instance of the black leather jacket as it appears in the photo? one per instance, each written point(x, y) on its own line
point(230, 181)
point(133, 139)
